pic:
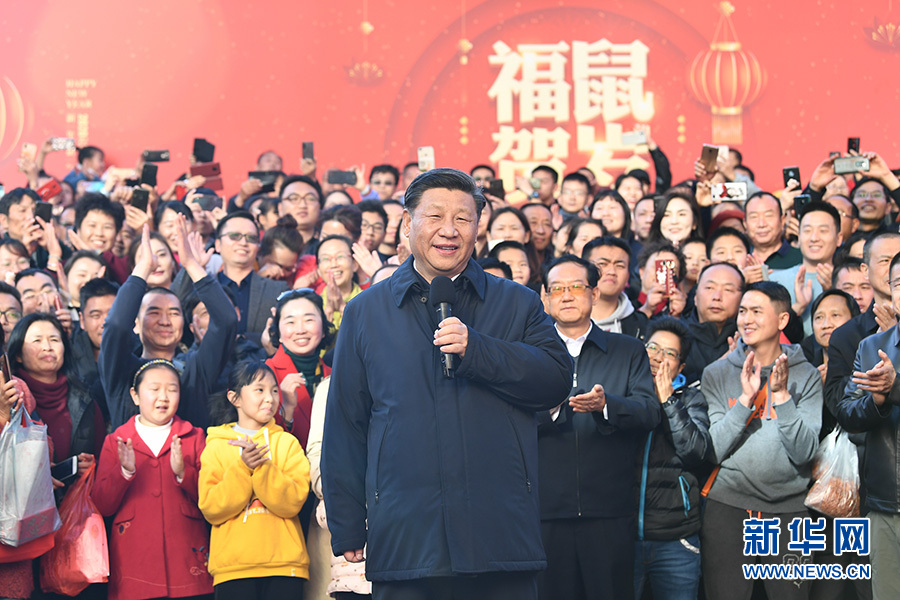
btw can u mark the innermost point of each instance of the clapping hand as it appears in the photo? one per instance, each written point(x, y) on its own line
point(253, 455)
point(878, 380)
point(750, 380)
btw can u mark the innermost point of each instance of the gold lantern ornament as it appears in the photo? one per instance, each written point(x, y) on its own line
point(726, 78)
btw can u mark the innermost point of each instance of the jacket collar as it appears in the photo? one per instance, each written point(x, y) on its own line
point(598, 337)
point(406, 278)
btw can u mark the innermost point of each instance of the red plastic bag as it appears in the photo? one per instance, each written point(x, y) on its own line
point(80, 556)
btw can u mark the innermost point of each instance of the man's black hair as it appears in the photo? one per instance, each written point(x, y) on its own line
point(303, 179)
point(822, 207)
point(881, 235)
point(641, 175)
point(15, 196)
point(34, 271)
point(727, 232)
point(373, 206)
point(488, 167)
point(506, 245)
point(677, 328)
point(606, 240)
point(852, 304)
point(259, 158)
point(546, 169)
point(489, 262)
point(850, 263)
point(450, 179)
point(593, 274)
point(95, 288)
point(5, 288)
point(777, 294)
point(389, 169)
point(238, 214)
point(578, 177)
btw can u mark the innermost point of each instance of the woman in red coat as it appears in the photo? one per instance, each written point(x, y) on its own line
point(301, 332)
point(147, 481)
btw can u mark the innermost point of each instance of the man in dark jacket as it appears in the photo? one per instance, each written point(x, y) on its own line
point(614, 311)
point(877, 254)
point(671, 468)
point(442, 470)
point(871, 404)
point(712, 323)
point(161, 323)
point(588, 447)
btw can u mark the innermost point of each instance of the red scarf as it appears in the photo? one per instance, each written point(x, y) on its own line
point(53, 408)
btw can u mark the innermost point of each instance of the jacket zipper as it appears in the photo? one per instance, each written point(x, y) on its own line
point(521, 454)
point(378, 464)
point(577, 455)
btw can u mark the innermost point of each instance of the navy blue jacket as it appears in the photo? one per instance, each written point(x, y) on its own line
point(118, 363)
point(587, 462)
point(857, 412)
point(445, 470)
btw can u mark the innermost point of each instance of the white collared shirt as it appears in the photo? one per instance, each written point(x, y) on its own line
point(574, 347)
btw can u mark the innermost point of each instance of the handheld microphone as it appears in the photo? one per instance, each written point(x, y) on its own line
point(442, 297)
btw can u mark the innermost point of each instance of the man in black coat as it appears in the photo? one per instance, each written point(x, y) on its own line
point(437, 476)
point(588, 446)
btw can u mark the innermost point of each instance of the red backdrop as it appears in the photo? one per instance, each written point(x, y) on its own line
point(257, 76)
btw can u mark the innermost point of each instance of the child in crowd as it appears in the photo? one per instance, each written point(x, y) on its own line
point(147, 481)
point(254, 479)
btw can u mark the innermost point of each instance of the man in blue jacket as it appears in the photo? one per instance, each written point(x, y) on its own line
point(870, 405)
point(442, 470)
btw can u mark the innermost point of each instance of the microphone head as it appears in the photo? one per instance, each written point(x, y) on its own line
point(442, 290)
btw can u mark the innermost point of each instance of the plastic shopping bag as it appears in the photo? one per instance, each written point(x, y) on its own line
point(80, 556)
point(836, 489)
point(28, 509)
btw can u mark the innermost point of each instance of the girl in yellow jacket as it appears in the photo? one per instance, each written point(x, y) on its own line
point(254, 478)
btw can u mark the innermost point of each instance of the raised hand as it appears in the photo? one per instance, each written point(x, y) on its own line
point(592, 401)
point(663, 382)
point(126, 454)
point(878, 380)
point(176, 457)
point(750, 380)
point(884, 316)
point(778, 380)
point(802, 291)
point(252, 455)
point(369, 262)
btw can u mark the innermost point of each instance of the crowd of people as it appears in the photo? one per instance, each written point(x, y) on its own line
point(637, 371)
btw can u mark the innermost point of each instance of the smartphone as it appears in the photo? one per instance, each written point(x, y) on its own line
point(800, 202)
point(140, 198)
point(708, 156)
point(49, 190)
point(788, 173)
point(853, 145)
point(203, 151)
point(308, 150)
point(665, 274)
point(65, 470)
point(4, 367)
point(43, 210)
point(62, 143)
point(495, 188)
point(341, 177)
point(730, 190)
point(207, 202)
point(29, 151)
point(634, 138)
point(207, 169)
point(156, 156)
point(850, 164)
point(426, 158)
point(148, 174)
point(267, 178)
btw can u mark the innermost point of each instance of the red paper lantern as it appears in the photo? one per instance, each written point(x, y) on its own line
point(12, 117)
point(726, 78)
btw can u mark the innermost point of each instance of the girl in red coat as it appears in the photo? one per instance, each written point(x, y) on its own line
point(147, 481)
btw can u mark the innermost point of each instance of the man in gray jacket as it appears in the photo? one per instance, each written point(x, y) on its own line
point(765, 410)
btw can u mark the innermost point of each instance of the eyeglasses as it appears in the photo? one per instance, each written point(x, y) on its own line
point(576, 289)
point(297, 292)
point(298, 199)
point(340, 258)
point(33, 296)
point(868, 196)
point(654, 350)
point(234, 236)
point(373, 227)
point(10, 315)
